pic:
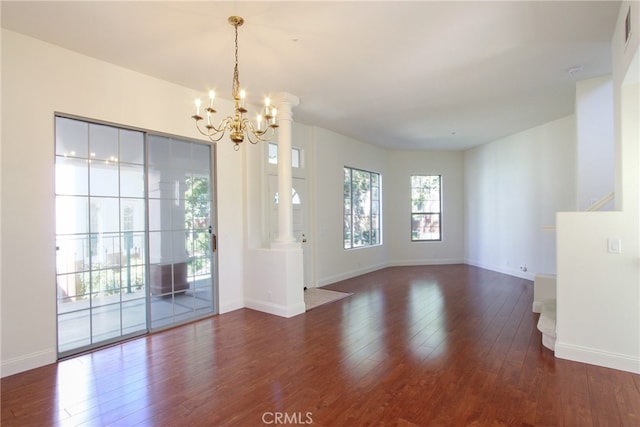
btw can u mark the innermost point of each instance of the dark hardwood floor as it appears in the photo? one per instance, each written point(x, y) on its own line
point(435, 345)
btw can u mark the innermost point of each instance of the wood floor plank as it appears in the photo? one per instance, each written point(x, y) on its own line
point(446, 345)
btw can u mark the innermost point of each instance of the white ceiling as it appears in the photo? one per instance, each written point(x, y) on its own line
point(401, 75)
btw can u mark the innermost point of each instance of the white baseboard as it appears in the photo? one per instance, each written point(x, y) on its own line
point(592, 356)
point(349, 274)
point(431, 261)
point(398, 263)
point(28, 361)
point(276, 309)
point(504, 270)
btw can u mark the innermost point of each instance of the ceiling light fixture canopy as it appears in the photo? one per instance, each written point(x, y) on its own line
point(237, 125)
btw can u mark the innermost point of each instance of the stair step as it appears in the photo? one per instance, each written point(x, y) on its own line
point(547, 323)
point(544, 288)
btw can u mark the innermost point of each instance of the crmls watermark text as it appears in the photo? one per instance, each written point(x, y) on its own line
point(287, 418)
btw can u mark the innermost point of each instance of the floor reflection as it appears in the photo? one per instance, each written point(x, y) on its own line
point(363, 324)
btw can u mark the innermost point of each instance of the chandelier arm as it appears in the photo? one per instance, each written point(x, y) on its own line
point(203, 131)
point(214, 134)
point(255, 136)
point(222, 127)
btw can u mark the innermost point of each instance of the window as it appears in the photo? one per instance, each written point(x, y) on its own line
point(426, 207)
point(361, 208)
point(273, 155)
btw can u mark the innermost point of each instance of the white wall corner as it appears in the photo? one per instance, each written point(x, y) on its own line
point(228, 306)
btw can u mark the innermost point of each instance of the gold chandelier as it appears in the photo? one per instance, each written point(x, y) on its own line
point(237, 125)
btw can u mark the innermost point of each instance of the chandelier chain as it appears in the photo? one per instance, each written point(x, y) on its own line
point(236, 74)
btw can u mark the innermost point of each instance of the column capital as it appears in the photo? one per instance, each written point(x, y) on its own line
point(285, 102)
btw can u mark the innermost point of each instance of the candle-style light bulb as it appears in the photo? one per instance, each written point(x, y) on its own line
point(259, 120)
point(243, 95)
point(198, 103)
point(212, 95)
point(274, 113)
point(267, 104)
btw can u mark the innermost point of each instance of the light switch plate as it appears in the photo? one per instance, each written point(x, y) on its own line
point(614, 245)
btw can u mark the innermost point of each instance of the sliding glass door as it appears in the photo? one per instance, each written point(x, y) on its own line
point(180, 230)
point(133, 233)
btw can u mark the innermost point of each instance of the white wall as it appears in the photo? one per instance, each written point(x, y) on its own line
point(403, 164)
point(595, 148)
point(598, 315)
point(513, 188)
point(332, 153)
point(39, 79)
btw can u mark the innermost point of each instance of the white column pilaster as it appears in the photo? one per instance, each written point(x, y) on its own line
point(285, 102)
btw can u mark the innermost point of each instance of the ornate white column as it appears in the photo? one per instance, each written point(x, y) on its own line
point(285, 102)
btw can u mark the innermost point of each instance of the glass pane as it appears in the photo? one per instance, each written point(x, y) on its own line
point(162, 311)
point(160, 214)
point(160, 183)
point(133, 258)
point(425, 227)
point(134, 315)
point(347, 183)
point(295, 197)
point(180, 154)
point(133, 280)
point(159, 151)
point(181, 180)
point(131, 146)
point(201, 158)
point(104, 214)
point(199, 267)
point(72, 254)
point(132, 214)
point(347, 231)
point(273, 154)
point(103, 143)
point(105, 322)
point(295, 157)
point(375, 193)
point(201, 244)
point(72, 289)
point(74, 330)
point(347, 206)
point(105, 286)
point(103, 178)
point(131, 181)
point(72, 214)
point(72, 176)
point(72, 138)
point(105, 251)
point(433, 206)
point(159, 247)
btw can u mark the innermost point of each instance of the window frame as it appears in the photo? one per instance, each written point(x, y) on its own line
point(374, 209)
point(426, 212)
